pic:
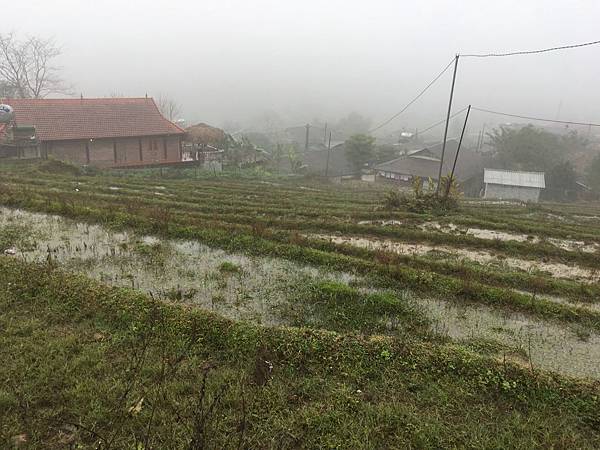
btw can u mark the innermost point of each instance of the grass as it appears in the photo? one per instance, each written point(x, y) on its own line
point(111, 368)
point(338, 307)
point(234, 209)
point(17, 235)
point(356, 366)
point(156, 253)
point(291, 247)
point(229, 267)
point(266, 244)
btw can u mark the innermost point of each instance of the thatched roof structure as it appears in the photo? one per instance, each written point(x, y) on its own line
point(205, 135)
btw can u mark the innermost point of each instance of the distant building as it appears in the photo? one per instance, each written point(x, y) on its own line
point(405, 137)
point(18, 142)
point(206, 145)
point(425, 164)
point(333, 163)
point(102, 132)
point(512, 185)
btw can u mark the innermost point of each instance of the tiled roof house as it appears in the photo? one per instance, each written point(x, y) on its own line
point(103, 132)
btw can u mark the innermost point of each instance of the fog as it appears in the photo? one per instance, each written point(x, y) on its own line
point(237, 61)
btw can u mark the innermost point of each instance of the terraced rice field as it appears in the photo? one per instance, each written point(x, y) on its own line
point(497, 301)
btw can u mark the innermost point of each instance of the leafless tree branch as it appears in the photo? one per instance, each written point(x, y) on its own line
point(26, 69)
point(168, 107)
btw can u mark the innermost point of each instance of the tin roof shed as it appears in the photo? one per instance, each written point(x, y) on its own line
point(514, 178)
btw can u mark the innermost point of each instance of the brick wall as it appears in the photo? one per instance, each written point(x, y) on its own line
point(173, 148)
point(128, 150)
point(71, 151)
point(102, 153)
point(111, 152)
point(151, 149)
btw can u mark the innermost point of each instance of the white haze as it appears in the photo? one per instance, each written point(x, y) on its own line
point(235, 60)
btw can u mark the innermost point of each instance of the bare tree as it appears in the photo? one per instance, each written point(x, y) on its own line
point(26, 69)
point(168, 107)
point(7, 90)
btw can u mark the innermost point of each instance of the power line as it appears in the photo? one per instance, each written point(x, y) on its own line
point(443, 120)
point(414, 99)
point(565, 122)
point(531, 52)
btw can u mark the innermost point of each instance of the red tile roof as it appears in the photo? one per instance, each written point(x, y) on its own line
point(92, 118)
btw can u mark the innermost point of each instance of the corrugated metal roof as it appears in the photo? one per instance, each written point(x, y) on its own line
point(468, 165)
point(427, 158)
point(514, 178)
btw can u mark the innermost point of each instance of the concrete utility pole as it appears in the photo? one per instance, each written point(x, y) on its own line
point(437, 189)
point(482, 137)
point(328, 154)
point(306, 138)
point(325, 135)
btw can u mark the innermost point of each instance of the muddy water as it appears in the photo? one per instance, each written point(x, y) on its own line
point(171, 270)
point(550, 347)
point(184, 271)
point(482, 233)
point(594, 307)
point(555, 269)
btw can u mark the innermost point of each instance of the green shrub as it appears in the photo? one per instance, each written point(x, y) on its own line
point(229, 267)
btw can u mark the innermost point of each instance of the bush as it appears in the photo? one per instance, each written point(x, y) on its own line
point(60, 168)
point(229, 267)
point(425, 200)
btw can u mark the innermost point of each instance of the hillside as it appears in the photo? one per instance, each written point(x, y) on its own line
point(242, 312)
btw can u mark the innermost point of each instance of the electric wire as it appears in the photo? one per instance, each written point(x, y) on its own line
point(564, 122)
point(414, 99)
point(530, 52)
point(443, 120)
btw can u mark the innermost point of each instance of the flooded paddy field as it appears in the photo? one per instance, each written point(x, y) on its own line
point(533, 343)
point(152, 297)
point(234, 285)
point(481, 233)
point(271, 291)
point(559, 270)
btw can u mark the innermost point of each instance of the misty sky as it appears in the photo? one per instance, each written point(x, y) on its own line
point(235, 60)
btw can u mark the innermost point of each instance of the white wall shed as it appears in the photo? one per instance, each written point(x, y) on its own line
point(513, 185)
